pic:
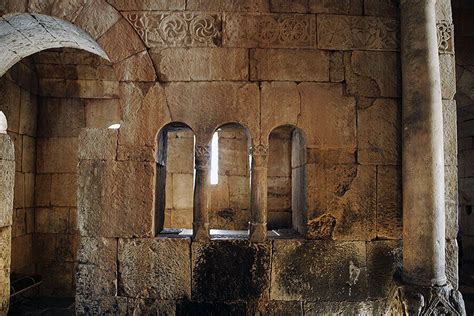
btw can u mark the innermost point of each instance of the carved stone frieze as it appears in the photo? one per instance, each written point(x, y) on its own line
point(413, 300)
point(176, 29)
point(445, 30)
point(270, 30)
point(357, 32)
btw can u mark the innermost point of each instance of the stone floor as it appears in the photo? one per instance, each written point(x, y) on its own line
point(44, 306)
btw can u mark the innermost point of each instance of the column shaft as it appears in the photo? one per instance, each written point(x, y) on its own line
point(201, 194)
point(422, 152)
point(258, 196)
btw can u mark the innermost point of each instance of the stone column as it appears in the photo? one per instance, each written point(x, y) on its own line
point(201, 194)
point(424, 290)
point(258, 195)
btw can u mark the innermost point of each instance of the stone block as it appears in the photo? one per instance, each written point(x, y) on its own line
point(270, 30)
point(22, 254)
point(180, 218)
point(61, 117)
point(347, 193)
point(296, 6)
point(155, 268)
point(17, 140)
point(351, 7)
point(374, 33)
point(452, 264)
point(56, 155)
point(58, 278)
point(151, 307)
point(451, 201)
point(28, 159)
point(42, 190)
point(279, 157)
point(233, 157)
point(115, 199)
point(5, 260)
point(7, 150)
point(10, 103)
point(336, 67)
point(90, 89)
point(230, 270)
point(279, 193)
point(345, 308)
point(55, 247)
point(373, 74)
point(201, 64)
point(318, 270)
point(138, 5)
point(138, 67)
point(219, 195)
point(97, 268)
point(96, 18)
point(63, 189)
point(447, 68)
point(29, 190)
point(28, 113)
point(379, 133)
point(239, 192)
point(19, 195)
point(98, 144)
point(389, 202)
point(183, 190)
point(94, 71)
point(384, 258)
point(180, 154)
point(18, 222)
point(228, 6)
point(289, 65)
point(321, 106)
point(382, 7)
point(153, 28)
point(101, 305)
point(450, 133)
point(121, 41)
point(101, 113)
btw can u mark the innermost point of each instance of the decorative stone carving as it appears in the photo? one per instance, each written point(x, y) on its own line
point(202, 156)
point(356, 32)
point(260, 150)
point(412, 300)
point(176, 29)
point(271, 30)
point(445, 31)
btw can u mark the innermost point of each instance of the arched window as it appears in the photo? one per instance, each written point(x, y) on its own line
point(230, 180)
point(286, 180)
point(174, 179)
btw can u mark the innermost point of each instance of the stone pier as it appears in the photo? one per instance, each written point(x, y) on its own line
point(258, 197)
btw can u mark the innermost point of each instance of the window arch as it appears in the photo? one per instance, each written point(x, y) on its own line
point(286, 178)
point(174, 179)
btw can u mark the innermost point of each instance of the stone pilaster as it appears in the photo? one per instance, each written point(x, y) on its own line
point(425, 290)
point(258, 196)
point(201, 194)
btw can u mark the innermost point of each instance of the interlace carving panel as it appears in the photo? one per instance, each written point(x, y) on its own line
point(177, 29)
point(270, 30)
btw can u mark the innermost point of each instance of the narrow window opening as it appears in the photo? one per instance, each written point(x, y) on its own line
point(215, 159)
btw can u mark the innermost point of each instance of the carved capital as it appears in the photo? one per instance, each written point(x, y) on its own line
point(424, 301)
point(260, 156)
point(202, 157)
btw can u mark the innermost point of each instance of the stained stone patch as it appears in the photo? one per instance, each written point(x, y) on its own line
point(230, 270)
point(318, 270)
point(155, 268)
point(101, 305)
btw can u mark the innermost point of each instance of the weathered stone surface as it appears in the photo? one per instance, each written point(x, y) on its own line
point(318, 270)
point(270, 30)
point(60, 117)
point(56, 155)
point(452, 264)
point(10, 103)
point(63, 189)
point(451, 201)
point(447, 68)
point(148, 4)
point(389, 202)
point(336, 67)
point(28, 163)
point(120, 41)
point(101, 305)
point(450, 133)
point(52, 248)
point(151, 307)
point(42, 189)
point(7, 180)
point(52, 220)
point(97, 144)
point(296, 6)
point(5, 259)
point(155, 268)
point(347, 192)
point(345, 308)
point(101, 113)
point(115, 198)
point(96, 18)
point(97, 267)
point(228, 5)
point(289, 65)
point(373, 74)
point(382, 7)
point(352, 7)
point(137, 67)
point(91, 89)
point(211, 308)
point(201, 64)
point(230, 270)
point(193, 29)
point(97, 70)
point(384, 258)
point(379, 133)
point(374, 33)
point(28, 113)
